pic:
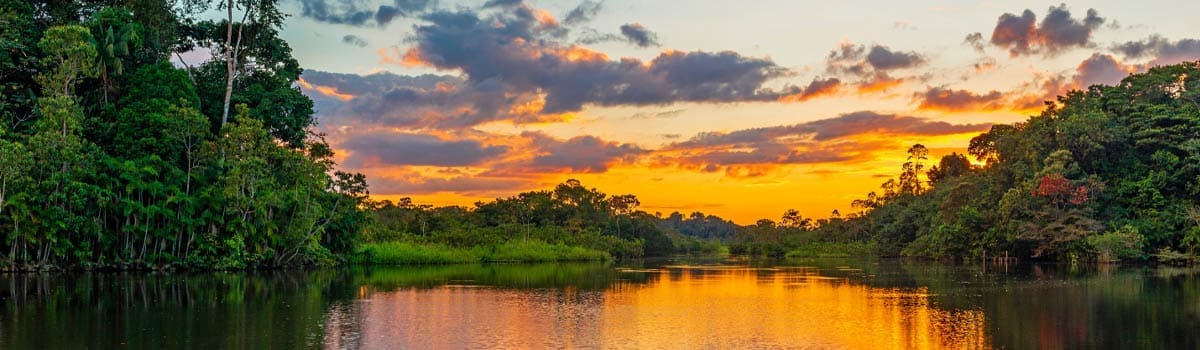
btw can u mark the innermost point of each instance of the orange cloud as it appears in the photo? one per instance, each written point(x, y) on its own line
point(412, 58)
point(545, 18)
point(879, 85)
point(325, 90)
point(817, 88)
point(576, 53)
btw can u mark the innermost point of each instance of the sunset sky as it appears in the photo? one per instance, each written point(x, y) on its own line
point(738, 109)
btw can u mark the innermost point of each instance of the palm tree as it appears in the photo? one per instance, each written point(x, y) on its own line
point(113, 31)
point(111, 46)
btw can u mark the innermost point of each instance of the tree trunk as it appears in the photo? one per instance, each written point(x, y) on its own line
point(228, 62)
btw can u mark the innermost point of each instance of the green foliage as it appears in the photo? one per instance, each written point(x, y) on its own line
point(1124, 157)
point(833, 250)
point(405, 253)
point(144, 180)
point(1116, 245)
point(570, 215)
point(537, 251)
point(69, 56)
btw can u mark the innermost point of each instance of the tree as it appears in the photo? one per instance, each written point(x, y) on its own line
point(254, 13)
point(793, 220)
point(70, 56)
point(14, 167)
point(951, 166)
point(114, 31)
point(910, 181)
point(623, 205)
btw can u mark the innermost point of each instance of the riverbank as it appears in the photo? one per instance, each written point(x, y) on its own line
point(832, 250)
point(406, 253)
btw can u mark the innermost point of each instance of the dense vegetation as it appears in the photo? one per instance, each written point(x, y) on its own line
point(542, 225)
point(111, 157)
point(1111, 173)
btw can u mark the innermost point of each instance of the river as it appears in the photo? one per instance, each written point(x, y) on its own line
point(672, 304)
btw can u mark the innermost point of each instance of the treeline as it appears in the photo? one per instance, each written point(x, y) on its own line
point(569, 215)
point(111, 157)
point(1110, 173)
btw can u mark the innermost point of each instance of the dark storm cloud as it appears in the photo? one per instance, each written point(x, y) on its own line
point(401, 149)
point(354, 40)
point(945, 99)
point(1058, 31)
point(583, 13)
point(637, 34)
point(1162, 50)
point(359, 12)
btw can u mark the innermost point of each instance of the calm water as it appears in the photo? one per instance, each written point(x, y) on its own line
point(671, 305)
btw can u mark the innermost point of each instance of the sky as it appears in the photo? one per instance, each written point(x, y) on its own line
point(742, 110)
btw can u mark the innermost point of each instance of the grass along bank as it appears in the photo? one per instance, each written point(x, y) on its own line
point(405, 253)
point(832, 250)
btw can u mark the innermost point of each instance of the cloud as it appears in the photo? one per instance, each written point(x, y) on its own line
point(975, 40)
point(1097, 69)
point(1058, 31)
point(945, 99)
point(589, 36)
point(861, 60)
point(580, 154)
point(883, 58)
point(354, 40)
point(818, 87)
point(419, 102)
point(412, 183)
point(376, 149)
point(1162, 51)
point(632, 33)
point(879, 82)
point(356, 13)
point(750, 152)
point(503, 3)
point(984, 64)
point(637, 34)
point(510, 63)
point(1101, 69)
point(659, 115)
point(583, 13)
point(870, 65)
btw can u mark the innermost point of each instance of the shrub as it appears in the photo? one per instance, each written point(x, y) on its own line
point(1122, 243)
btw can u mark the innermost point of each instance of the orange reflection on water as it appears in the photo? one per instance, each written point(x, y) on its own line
point(679, 307)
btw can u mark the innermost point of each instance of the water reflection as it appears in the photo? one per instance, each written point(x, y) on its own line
point(675, 304)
